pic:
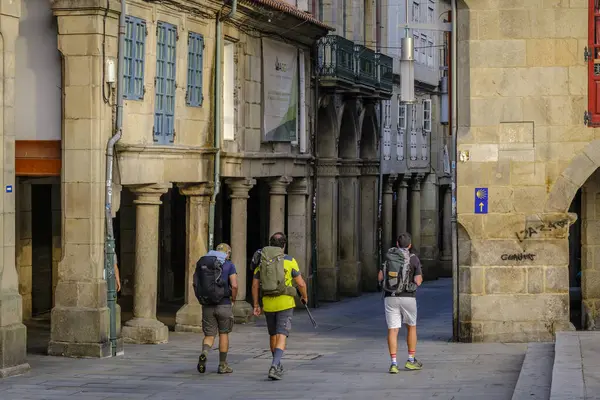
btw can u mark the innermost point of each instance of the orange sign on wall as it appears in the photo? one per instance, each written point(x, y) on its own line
point(38, 157)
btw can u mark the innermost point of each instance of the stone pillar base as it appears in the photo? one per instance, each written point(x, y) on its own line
point(327, 282)
point(91, 327)
point(189, 318)
point(350, 278)
point(445, 267)
point(145, 331)
point(13, 349)
point(243, 312)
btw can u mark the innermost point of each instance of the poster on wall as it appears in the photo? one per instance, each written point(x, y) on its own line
point(280, 91)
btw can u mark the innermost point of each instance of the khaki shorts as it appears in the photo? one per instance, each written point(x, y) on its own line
point(400, 309)
point(217, 319)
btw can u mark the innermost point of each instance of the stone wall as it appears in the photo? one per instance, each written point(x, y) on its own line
point(522, 95)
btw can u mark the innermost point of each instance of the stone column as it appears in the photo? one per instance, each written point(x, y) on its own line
point(327, 229)
point(415, 214)
point(24, 250)
point(402, 207)
point(13, 334)
point(428, 252)
point(144, 327)
point(387, 240)
point(446, 258)
point(239, 227)
point(369, 188)
point(189, 317)
point(277, 203)
point(349, 228)
point(297, 228)
point(80, 317)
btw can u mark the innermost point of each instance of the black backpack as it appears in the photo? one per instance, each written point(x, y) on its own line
point(210, 286)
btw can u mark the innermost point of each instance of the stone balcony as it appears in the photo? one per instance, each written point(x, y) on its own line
point(347, 67)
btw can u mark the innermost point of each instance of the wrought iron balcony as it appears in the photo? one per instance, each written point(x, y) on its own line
point(345, 66)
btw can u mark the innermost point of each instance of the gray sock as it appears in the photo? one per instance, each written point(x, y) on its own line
point(277, 357)
point(205, 348)
point(222, 357)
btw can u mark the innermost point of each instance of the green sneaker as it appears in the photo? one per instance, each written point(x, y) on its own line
point(202, 363)
point(275, 374)
point(394, 369)
point(224, 369)
point(413, 365)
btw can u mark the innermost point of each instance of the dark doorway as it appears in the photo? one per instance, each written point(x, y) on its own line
point(258, 225)
point(172, 252)
point(41, 225)
point(575, 264)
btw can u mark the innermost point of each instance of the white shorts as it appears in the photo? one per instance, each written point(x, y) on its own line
point(399, 309)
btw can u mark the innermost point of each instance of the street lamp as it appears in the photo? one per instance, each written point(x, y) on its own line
point(407, 70)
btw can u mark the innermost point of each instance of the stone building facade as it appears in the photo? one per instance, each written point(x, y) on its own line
point(526, 91)
point(164, 171)
point(417, 192)
point(354, 76)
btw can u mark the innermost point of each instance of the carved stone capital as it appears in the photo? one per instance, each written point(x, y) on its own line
point(298, 187)
point(149, 194)
point(196, 189)
point(349, 167)
point(279, 185)
point(403, 183)
point(240, 187)
point(369, 168)
point(327, 167)
point(388, 188)
point(416, 183)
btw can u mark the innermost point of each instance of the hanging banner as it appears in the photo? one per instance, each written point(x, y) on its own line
point(280, 91)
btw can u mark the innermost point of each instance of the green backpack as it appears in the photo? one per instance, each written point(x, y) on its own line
point(272, 272)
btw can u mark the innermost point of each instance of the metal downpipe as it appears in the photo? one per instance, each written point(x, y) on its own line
point(218, 96)
point(380, 248)
point(109, 242)
point(454, 219)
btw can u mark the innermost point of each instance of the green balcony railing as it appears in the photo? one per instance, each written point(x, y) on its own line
point(343, 62)
point(386, 72)
point(366, 66)
point(336, 57)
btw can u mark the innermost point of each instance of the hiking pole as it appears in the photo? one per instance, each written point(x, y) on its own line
point(312, 320)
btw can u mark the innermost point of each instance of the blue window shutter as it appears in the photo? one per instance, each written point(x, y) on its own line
point(194, 96)
point(135, 56)
point(164, 108)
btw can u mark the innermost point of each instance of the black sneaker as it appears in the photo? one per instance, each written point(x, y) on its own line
point(275, 374)
point(202, 363)
point(280, 368)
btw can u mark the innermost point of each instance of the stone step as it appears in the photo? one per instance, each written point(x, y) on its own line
point(567, 374)
point(535, 378)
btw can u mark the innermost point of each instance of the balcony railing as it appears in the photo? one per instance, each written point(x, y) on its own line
point(345, 65)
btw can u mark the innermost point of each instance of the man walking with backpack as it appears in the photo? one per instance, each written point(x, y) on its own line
point(274, 276)
point(215, 284)
point(400, 277)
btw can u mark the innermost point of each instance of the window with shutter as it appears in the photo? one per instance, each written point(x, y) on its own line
point(135, 55)
point(164, 106)
point(401, 132)
point(592, 117)
point(427, 115)
point(413, 134)
point(194, 96)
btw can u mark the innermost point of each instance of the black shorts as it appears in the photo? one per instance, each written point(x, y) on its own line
point(280, 322)
point(217, 319)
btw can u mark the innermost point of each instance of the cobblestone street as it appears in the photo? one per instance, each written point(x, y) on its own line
point(344, 358)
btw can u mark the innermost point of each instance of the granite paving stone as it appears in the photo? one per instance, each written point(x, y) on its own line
point(346, 358)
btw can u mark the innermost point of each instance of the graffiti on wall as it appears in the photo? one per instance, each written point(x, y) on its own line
point(531, 232)
point(518, 257)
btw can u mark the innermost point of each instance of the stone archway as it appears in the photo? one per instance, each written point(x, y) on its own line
point(573, 177)
point(369, 185)
point(349, 201)
point(583, 172)
point(327, 130)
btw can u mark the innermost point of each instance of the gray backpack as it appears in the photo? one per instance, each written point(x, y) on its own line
point(398, 277)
